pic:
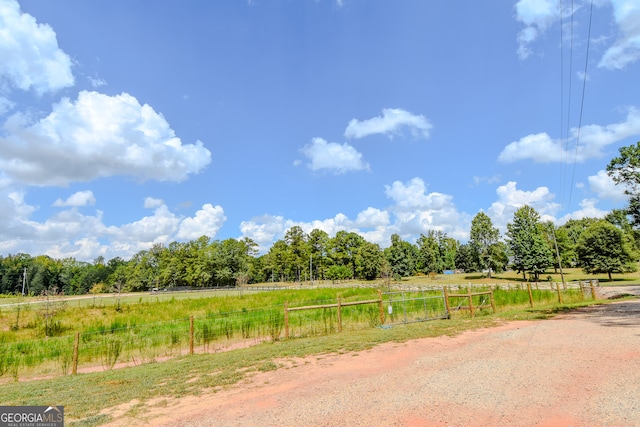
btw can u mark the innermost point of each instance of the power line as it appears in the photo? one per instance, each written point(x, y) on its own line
point(584, 86)
point(564, 140)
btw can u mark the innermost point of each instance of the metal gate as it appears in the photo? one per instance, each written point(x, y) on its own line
point(414, 306)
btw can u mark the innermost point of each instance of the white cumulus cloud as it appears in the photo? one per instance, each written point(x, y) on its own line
point(334, 157)
point(510, 199)
point(267, 229)
point(536, 15)
point(5, 105)
point(81, 198)
point(263, 230)
point(606, 188)
point(541, 148)
point(97, 136)
point(31, 58)
point(72, 233)
point(393, 121)
point(626, 48)
point(416, 211)
point(413, 211)
point(588, 209)
point(206, 222)
point(538, 147)
point(372, 217)
point(13, 208)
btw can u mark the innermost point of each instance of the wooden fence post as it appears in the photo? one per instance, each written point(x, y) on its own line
point(339, 314)
point(76, 344)
point(559, 294)
point(286, 319)
point(581, 289)
point(446, 300)
point(471, 304)
point(493, 302)
point(191, 334)
point(593, 291)
point(530, 295)
point(381, 307)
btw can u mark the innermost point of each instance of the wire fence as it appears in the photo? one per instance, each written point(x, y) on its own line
point(415, 306)
point(120, 344)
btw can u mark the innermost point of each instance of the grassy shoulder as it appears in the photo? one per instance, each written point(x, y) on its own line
point(570, 275)
point(474, 278)
point(137, 387)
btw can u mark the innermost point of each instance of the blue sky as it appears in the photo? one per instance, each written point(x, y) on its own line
point(128, 123)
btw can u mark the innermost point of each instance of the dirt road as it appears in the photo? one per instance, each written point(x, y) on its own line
point(579, 369)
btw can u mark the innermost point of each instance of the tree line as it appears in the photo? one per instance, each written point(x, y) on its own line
point(530, 246)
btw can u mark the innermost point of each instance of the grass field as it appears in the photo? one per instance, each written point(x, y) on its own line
point(153, 383)
point(37, 336)
point(570, 275)
point(147, 328)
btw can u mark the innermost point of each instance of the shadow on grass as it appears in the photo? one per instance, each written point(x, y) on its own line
point(547, 313)
point(613, 280)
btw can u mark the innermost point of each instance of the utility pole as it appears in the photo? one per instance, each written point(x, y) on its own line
point(555, 242)
point(24, 279)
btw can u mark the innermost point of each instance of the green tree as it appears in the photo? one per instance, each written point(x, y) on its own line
point(573, 229)
point(605, 248)
point(551, 235)
point(368, 261)
point(253, 267)
point(481, 237)
point(277, 262)
point(625, 170)
point(231, 259)
point(76, 277)
point(498, 259)
point(44, 273)
point(143, 272)
point(318, 252)
point(566, 249)
point(12, 272)
point(199, 262)
point(343, 248)
point(401, 256)
point(428, 257)
point(339, 272)
point(296, 240)
point(621, 219)
point(466, 259)
point(258, 272)
point(448, 252)
point(529, 247)
point(173, 265)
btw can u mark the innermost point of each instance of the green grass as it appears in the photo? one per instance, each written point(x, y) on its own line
point(146, 328)
point(193, 375)
point(508, 277)
point(144, 331)
point(86, 316)
point(570, 275)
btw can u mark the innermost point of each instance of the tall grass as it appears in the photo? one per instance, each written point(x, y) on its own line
point(146, 331)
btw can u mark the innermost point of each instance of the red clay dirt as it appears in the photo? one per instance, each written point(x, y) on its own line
point(578, 369)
